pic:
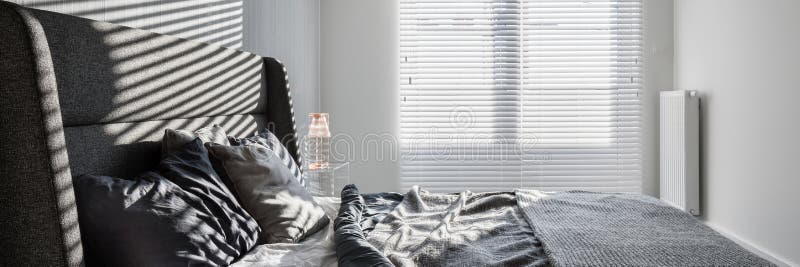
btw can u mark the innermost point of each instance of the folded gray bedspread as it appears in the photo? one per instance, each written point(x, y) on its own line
point(465, 229)
point(600, 229)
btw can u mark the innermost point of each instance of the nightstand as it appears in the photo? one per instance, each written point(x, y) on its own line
point(327, 181)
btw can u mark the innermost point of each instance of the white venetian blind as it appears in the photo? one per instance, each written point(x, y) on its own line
point(539, 94)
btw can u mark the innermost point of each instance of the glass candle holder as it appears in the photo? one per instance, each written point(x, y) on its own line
point(318, 141)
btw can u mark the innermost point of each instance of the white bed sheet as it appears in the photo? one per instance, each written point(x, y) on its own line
point(316, 250)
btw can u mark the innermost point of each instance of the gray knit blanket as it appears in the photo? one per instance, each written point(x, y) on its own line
point(601, 229)
point(464, 229)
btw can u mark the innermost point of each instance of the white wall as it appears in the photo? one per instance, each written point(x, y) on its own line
point(359, 48)
point(657, 53)
point(286, 30)
point(743, 56)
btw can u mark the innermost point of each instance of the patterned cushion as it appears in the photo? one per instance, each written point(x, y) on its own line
point(267, 139)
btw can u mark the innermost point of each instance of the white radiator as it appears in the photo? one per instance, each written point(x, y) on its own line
point(680, 150)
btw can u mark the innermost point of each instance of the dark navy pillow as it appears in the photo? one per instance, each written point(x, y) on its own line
point(180, 214)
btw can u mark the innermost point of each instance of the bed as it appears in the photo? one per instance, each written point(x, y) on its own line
point(80, 96)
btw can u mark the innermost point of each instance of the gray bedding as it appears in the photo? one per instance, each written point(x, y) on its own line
point(465, 229)
point(531, 228)
point(600, 229)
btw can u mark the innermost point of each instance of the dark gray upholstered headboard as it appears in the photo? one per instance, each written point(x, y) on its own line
point(80, 96)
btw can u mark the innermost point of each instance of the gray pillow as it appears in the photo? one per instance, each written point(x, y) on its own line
point(173, 140)
point(267, 139)
point(268, 191)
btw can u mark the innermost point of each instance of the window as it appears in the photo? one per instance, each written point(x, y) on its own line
point(538, 94)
